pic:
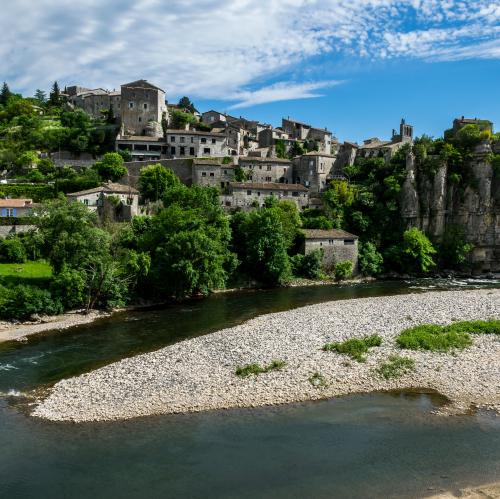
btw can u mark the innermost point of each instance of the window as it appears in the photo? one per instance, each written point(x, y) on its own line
point(268, 179)
point(203, 140)
point(145, 106)
point(258, 193)
point(225, 172)
point(212, 174)
point(269, 168)
point(213, 141)
point(203, 174)
point(182, 151)
point(192, 140)
point(172, 138)
point(295, 194)
point(191, 151)
point(131, 105)
point(249, 193)
point(182, 139)
point(348, 242)
point(172, 150)
point(311, 163)
point(206, 150)
point(140, 119)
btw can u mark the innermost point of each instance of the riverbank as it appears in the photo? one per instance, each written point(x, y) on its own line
point(10, 331)
point(490, 491)
point(199, 374)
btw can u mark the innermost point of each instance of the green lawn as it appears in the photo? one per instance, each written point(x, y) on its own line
point(38, 272)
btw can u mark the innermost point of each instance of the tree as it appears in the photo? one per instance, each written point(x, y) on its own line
point(5, 94)
point(55, 95)
point(180, 119)
point(185, 103)
point(343, 270)
point(125, 154)
point(280, 148)
point(40, 96)
point(417, 252)
point(296, 149)
point(111, 166)
point(370, 260)
point(154, 180)
point(12, 250)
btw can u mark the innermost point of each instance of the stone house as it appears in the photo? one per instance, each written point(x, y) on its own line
point(376, 148)
point(142, 109)
point(193, 143)
point(15, 208)
point(337, 245)
point(249, 195)
point(302, 132)
point(313, 170)
point(142, 148)
point(94, 198)
point(274, 170)
point(459, 123)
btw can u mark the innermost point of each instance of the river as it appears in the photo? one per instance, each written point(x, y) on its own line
point(378, 445)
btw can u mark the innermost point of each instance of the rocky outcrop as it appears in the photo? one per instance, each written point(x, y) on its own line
point(436, 204)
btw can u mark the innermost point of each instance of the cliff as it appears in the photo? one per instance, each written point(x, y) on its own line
point(435, 204)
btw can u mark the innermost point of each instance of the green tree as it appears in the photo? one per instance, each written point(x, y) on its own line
point(180, 119)
point(111, 166)
point(296, 149)
point(370, 260)
point(5, 94)
point(343, 270)
point(12, 250)
point(40, 96)
point(185, 103)
point(280, 149)
point(417, 252)
point(55, 95)
point(154, 180)
point(454, 248)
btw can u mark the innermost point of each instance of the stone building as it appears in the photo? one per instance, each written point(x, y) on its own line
point(95, 102)
point(322, 138)
point(15, 208)
point(193, 143)
point(143, 148)
point(143, 109)
point(376, 148)
point(267, 169)
point(337, 246)
point(459, 123)
point(249, 195)
point(313, 170)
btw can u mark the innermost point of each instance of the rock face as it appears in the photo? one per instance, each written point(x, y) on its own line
point(436, 204)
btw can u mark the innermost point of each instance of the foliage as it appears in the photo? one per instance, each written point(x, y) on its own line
point(343, 270)
point(154, 180)
point(434, 338)
point(69, 287)
point(280, 149)
point(240, 175)
point(308, 266)
point(185, 103)
point(21, 302)
point(38, 193)
point(125, 154)
point(111, 166)
point(12, 250)
point(339, 196)
point(417, 251)
point(315, 219)
point(5, 94)
point(454, 249)
point(296, 150)
point(356, 348)
point(395, 367)
point(370, 260)
point(180, 119)
point(249, 369)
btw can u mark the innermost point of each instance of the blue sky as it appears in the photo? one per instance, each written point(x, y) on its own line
point(354, 66)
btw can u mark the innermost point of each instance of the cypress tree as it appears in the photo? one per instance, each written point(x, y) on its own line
point(5, 93)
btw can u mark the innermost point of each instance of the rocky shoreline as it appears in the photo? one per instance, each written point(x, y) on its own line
point(199, 374)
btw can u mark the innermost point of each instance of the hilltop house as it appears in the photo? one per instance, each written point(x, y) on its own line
point(15, 208)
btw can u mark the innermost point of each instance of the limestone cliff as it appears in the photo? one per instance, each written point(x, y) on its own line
point(434, 204)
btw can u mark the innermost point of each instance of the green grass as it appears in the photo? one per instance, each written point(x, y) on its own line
point(356, 348)
point(395, 367)
point(249, 369)
point(436, 338)
point(38, 272)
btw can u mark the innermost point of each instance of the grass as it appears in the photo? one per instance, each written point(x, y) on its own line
point(395, 367)
point(38, 272)
point(356, 348)
point(318, 381)
point(249, 369)
point(436, 338)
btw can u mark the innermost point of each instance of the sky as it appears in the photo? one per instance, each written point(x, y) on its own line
point(354, 66)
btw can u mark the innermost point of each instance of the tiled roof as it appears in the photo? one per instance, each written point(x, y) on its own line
point(327, 234)
point(142, 84)
point(269, 186)
point(15, 203)
point(107, 188)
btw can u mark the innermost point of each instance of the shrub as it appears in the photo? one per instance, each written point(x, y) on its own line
point(343, 270)
point(308, 266)
point(356, 348)
point(12, 250)
point(395, 367)
point(249, 369)
point(434, 338)
point(21, 302)
point(69, 287)
point(370, 260)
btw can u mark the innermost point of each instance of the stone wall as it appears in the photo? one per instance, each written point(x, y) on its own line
point(334, 251)
point(181, 167)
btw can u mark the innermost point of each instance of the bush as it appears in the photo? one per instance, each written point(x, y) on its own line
point(395, 367)
point(12, 250)
point(370, 260)
point(69, 287)
point(356, 348)
point(434, 338)
point(249, 369)
point(111, 166)
point(343, 270)
point(21, 302)
point(308, 266)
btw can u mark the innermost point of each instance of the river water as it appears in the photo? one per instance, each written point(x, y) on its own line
point(379, 445)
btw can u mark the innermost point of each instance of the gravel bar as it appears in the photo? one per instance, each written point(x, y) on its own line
point(199, 374)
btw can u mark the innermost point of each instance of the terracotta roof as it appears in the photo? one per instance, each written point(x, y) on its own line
point(107, 188)
point(142, 84)
point(327, 234)
point(16, 203)
point(258, 159)
point(268, 186)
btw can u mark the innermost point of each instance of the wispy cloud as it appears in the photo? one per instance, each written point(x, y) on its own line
point(220, 48)
point(279, 92)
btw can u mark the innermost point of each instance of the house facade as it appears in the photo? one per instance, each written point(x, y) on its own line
point(313, 170)
point(193, 143)
point(275, 170)
point(15, 208)
point(337, 246)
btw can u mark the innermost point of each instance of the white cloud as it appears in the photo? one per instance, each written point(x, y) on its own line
point(220, 48)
